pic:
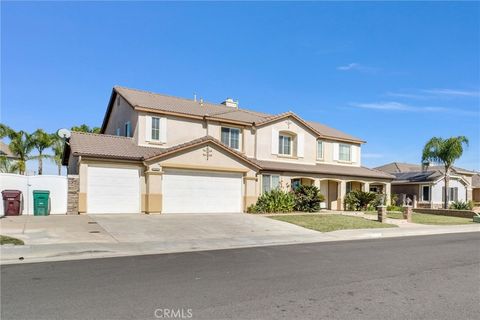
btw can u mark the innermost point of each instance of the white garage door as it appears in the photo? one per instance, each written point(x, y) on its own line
point(201, 192)
point(113, 190)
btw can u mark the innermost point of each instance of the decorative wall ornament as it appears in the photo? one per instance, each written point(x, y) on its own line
point(207, 152)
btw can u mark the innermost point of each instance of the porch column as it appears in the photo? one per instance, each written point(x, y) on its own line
point(388, 193)
point(342, 186)
point(366, 186)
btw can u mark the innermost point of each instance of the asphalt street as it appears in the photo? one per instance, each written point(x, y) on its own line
point(428, 277)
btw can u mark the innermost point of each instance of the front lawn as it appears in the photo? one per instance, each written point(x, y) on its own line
point(423, 218)
point(331, 222)
point(10, 240)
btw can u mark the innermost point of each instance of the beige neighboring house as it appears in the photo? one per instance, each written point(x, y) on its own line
point(427, 186)
point(162, 154)
point(476, 189)
point(5, 151)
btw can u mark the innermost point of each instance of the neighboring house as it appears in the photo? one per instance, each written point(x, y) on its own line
point(427, 186)
point(476, 188)
point(162, 154)
point(5, 151)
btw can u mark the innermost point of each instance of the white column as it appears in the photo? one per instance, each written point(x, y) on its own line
point(388, 193)
point(342, 186)
point(366, 186)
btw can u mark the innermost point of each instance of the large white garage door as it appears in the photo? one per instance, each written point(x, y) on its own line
point(201, 192)
point(113, 190)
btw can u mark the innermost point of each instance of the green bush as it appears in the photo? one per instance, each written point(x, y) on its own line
point(394, 208)
point(276, 200)
point(308, 198)
point(462, 205)
point(360, 200)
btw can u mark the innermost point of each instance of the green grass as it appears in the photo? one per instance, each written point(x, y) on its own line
point(331, 222)
point(10, 240)
point(423, 218)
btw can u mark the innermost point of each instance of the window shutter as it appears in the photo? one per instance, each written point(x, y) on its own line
point(456, 194)
point(163, 129)
point(274, 141)
point(300, 144)
point(353, 150)
point(335, 151)
point(148, 128)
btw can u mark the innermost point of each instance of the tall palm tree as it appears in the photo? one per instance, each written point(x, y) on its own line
point(21, 144)
point(57, 148)
point(444, 152)
point(41, 141)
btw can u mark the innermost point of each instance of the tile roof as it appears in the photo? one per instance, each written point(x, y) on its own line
point(398, 167)
point(160, 102)
point(324, 169)
point(5, 150)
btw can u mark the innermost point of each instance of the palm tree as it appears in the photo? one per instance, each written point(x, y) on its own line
point(41, 141)
point(21, 144)
point(57, 148)
point(7, 165)
point(444, 152)
point(85, 128)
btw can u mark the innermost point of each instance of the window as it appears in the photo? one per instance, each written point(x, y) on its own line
point(345, 152)
point(155, 128)
point(231, 137)
point(285, 144)
point(349, 186)
point(425, 193)
point(117, 132)
point(127, 129)
point(296, 183)
point(452, 194)
point(320, 150)
point(270, 182)
point(374, 189)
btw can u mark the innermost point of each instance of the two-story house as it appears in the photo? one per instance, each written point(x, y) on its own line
point(162, 154)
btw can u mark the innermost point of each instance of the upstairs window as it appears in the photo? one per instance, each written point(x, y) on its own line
point(231, 137)
point(320, 150)
point(155, 128)
point(285, 144)
point(128, 129)
point(345, 152)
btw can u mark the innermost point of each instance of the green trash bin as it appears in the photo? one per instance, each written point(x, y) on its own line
point(41, 202)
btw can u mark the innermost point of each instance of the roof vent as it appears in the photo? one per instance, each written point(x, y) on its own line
point(230, 103)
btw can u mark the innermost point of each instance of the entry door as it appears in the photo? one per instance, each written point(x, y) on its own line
point(113, 190)
point(201, 192)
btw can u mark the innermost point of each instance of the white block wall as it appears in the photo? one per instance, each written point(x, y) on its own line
point(57, 185)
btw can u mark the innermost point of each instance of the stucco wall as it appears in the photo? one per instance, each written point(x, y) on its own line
point(121, 113)
point(264, 145)
point(437, 190)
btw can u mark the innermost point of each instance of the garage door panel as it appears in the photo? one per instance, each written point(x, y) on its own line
point(113, 190)
point(201, 192)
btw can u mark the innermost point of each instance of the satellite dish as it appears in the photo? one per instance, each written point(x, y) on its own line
point(64, 133)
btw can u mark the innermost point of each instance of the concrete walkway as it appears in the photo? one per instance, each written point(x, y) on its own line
point(57, 238)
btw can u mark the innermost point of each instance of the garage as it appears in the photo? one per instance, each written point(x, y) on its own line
point(201, 192)
point(113, 190)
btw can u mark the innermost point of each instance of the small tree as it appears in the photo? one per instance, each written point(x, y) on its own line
point(308, 198)
point(57, 148)
point(86, 128)
point(21, 144)
point(444, 152)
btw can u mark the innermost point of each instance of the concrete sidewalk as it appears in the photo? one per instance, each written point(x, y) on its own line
point(224, 233)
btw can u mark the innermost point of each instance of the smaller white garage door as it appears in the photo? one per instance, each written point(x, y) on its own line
point(113, 190)
point(201, 192)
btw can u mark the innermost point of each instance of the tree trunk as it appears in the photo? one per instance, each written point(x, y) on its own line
point(59, 166)
point(40, 164)
point(445, 195)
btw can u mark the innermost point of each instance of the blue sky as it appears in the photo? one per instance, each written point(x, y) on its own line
point(394, 74)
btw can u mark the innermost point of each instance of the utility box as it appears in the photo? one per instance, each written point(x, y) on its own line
point(12, 202)
point(41, 202)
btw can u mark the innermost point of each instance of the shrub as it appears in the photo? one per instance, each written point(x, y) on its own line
point(360, 200)
point(462, 205)
point(308, 198)
point(394, 208)
point(274, 201)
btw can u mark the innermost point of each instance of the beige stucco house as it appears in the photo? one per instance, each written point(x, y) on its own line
point(426, 186)
point(162, 154)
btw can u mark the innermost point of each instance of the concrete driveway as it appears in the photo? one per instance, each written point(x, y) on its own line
point(140, 228)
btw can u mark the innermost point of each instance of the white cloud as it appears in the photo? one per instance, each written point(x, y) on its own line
point(356, 67)
point(402, 107)
point(453, 92)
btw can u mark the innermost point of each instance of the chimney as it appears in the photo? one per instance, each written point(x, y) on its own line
point(230, 103)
